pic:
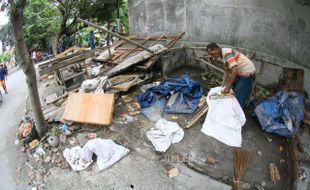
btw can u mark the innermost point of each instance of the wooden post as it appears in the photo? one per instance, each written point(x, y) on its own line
point(210, 65)
point(115, 34)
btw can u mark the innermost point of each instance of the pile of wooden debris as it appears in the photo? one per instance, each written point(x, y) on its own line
point(126, 63)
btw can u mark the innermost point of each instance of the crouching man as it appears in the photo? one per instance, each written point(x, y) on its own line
point(242, 71)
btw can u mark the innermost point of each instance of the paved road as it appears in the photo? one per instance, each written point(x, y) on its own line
point(11, 112)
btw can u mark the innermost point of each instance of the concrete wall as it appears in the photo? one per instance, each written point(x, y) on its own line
point(275, 27)
point(173, 61)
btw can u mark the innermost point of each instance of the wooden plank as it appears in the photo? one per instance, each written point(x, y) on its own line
point(154, 59)
point(128, 53)
point(160, 37)
point(89, 108)
point(129, 49)
point(64, 63)
point(123, 82)
point(165, 38)
point(135, 59)
point(200, 113)
point(117, 55)
point(292, 79)
point(105, 55)
point(74, 76)
point(63, 96)
point(50, 62)
point(116, 35)
point(274, 173)
point(64, 53)
point(73, 60)
point(210, 65)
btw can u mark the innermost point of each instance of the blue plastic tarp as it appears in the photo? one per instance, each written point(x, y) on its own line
point(183, 92)
point(281, 114)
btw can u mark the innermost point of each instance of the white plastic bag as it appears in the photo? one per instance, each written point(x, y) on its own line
point(224, 119)
point(107, 153)
point(164, 134)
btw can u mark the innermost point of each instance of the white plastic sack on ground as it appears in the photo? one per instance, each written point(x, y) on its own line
point(97, 85)
point(107, 153)
point(164, 134)
point(74, 157)
point(224, 119)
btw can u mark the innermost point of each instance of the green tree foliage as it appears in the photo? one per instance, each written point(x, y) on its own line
point(5, 57)
point(6, 36)
point(42, 20)
point(124, 15)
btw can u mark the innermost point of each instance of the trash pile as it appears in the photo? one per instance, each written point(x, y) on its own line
point(88, 83)
point(101, 97)
point(105, 70)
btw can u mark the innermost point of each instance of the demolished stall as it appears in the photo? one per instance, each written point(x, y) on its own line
point(126, 71)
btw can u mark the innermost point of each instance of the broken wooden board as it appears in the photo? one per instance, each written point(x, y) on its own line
point(51, 98)
point(157, 48)
point(50, 62)
point(149, 63)
point(55, 66)
point(123, 82)
point(70, 50)
point(274, 173)
point(89, 108)
point(49, 111)
point(105, 55)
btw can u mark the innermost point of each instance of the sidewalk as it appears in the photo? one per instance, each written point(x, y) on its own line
point(13, 70)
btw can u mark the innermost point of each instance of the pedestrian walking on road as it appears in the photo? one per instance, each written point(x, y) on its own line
point(3, 77)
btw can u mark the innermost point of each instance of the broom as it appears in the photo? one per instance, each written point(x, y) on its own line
point(241, 161)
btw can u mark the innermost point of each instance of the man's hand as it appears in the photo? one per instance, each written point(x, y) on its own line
point(226, 90)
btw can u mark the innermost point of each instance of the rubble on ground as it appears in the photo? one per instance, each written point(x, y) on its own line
point(117, 75)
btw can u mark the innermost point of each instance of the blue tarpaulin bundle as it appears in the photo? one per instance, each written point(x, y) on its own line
point(281, 114)
point(185, 94)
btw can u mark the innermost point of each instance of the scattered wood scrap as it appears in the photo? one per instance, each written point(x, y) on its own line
point(62, 97)
point(123, 82)
point(105, 55)
point(307, 117)
point(50, 68)
point(89, 108)
point(54, 113)
point(149, 63)
point(70, 50)
point(157, 48)
point(199, 114)
point(133, 108)
point(274, 173)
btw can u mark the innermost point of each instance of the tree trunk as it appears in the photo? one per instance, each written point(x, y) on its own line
point(17, 20)
point(55, 43)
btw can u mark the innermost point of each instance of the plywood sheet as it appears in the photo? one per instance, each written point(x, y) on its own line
point(89, 108)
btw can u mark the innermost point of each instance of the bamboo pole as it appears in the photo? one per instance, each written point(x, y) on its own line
point(197, 117)
point(210, 65)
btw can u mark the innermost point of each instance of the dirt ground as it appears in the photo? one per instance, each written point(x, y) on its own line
point(144, 168)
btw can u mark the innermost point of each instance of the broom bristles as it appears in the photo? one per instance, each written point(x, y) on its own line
point(241, 162)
